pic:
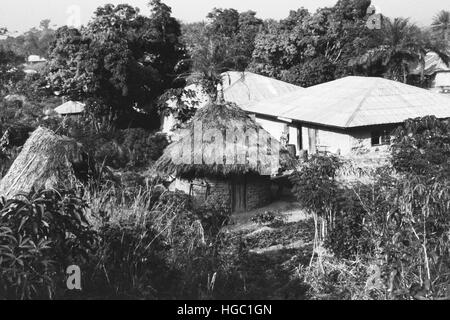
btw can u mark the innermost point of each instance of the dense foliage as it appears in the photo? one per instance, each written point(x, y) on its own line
point(155, 246)
point(35, 41)
point(40, 234)
point(398, 223)
point(422, 147)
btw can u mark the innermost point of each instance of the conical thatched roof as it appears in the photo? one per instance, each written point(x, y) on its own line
point(44, 162)
point(222, 140)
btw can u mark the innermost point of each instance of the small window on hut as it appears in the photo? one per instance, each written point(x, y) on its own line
point(380, 138)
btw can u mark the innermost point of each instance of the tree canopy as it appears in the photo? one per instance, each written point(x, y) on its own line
point(289, 49)
point(35, 41)
point(122, 61)
point(225, 43)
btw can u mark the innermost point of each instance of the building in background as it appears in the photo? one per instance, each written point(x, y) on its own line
point(70, 108)
point(352, 113)
point(435, 72)
point(35, 64)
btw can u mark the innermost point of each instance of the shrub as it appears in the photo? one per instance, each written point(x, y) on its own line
point(268, 217)
point(130, 263)
point(397, 223)
point(214, 214)
point(135, 148)
point(422, 146)
point(26, 271)
point(42, 234)
point(341, 279)
point(143, 147)
point(316, 189)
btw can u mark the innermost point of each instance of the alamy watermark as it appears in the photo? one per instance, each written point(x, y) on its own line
point(74, 277)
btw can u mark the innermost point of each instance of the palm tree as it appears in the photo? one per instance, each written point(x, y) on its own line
point(398, 49)
point(210, 56)
point(427, 44)
point(441, 24)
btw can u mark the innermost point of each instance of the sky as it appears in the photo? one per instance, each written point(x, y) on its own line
point(21, 15)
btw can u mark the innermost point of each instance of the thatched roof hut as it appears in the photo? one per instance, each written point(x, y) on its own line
point(222, 150)
point(44, 162)
point(224, 128)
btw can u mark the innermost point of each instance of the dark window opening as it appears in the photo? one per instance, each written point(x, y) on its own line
point(381, 138)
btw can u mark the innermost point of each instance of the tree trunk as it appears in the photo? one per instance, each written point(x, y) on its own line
point(405, 75)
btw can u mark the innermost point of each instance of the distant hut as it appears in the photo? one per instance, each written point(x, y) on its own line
point(71, 108)
point(33, 59)
point(224, 152)
point(45, 161)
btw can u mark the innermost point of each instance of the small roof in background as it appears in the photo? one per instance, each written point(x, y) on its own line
point(358, 101)
point(70, 107)
point(433, 64)
point(36, 58)
point(30, 71)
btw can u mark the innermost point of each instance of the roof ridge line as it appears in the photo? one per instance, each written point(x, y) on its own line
point(358, 108)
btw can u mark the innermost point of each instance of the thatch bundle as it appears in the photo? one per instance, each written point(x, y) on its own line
point(226, 132)
point(44, 162)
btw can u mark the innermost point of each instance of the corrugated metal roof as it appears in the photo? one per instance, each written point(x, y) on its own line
point(433, 64)
point(244, 88)
point(70, 107)
point(357, 101)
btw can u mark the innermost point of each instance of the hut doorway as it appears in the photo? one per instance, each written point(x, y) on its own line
point(239, 194)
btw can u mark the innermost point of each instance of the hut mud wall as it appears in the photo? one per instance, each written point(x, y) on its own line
point(259, 192)
point(243, 194)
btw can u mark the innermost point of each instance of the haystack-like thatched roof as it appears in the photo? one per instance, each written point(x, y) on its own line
point(229, 142)
point(44, 162)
